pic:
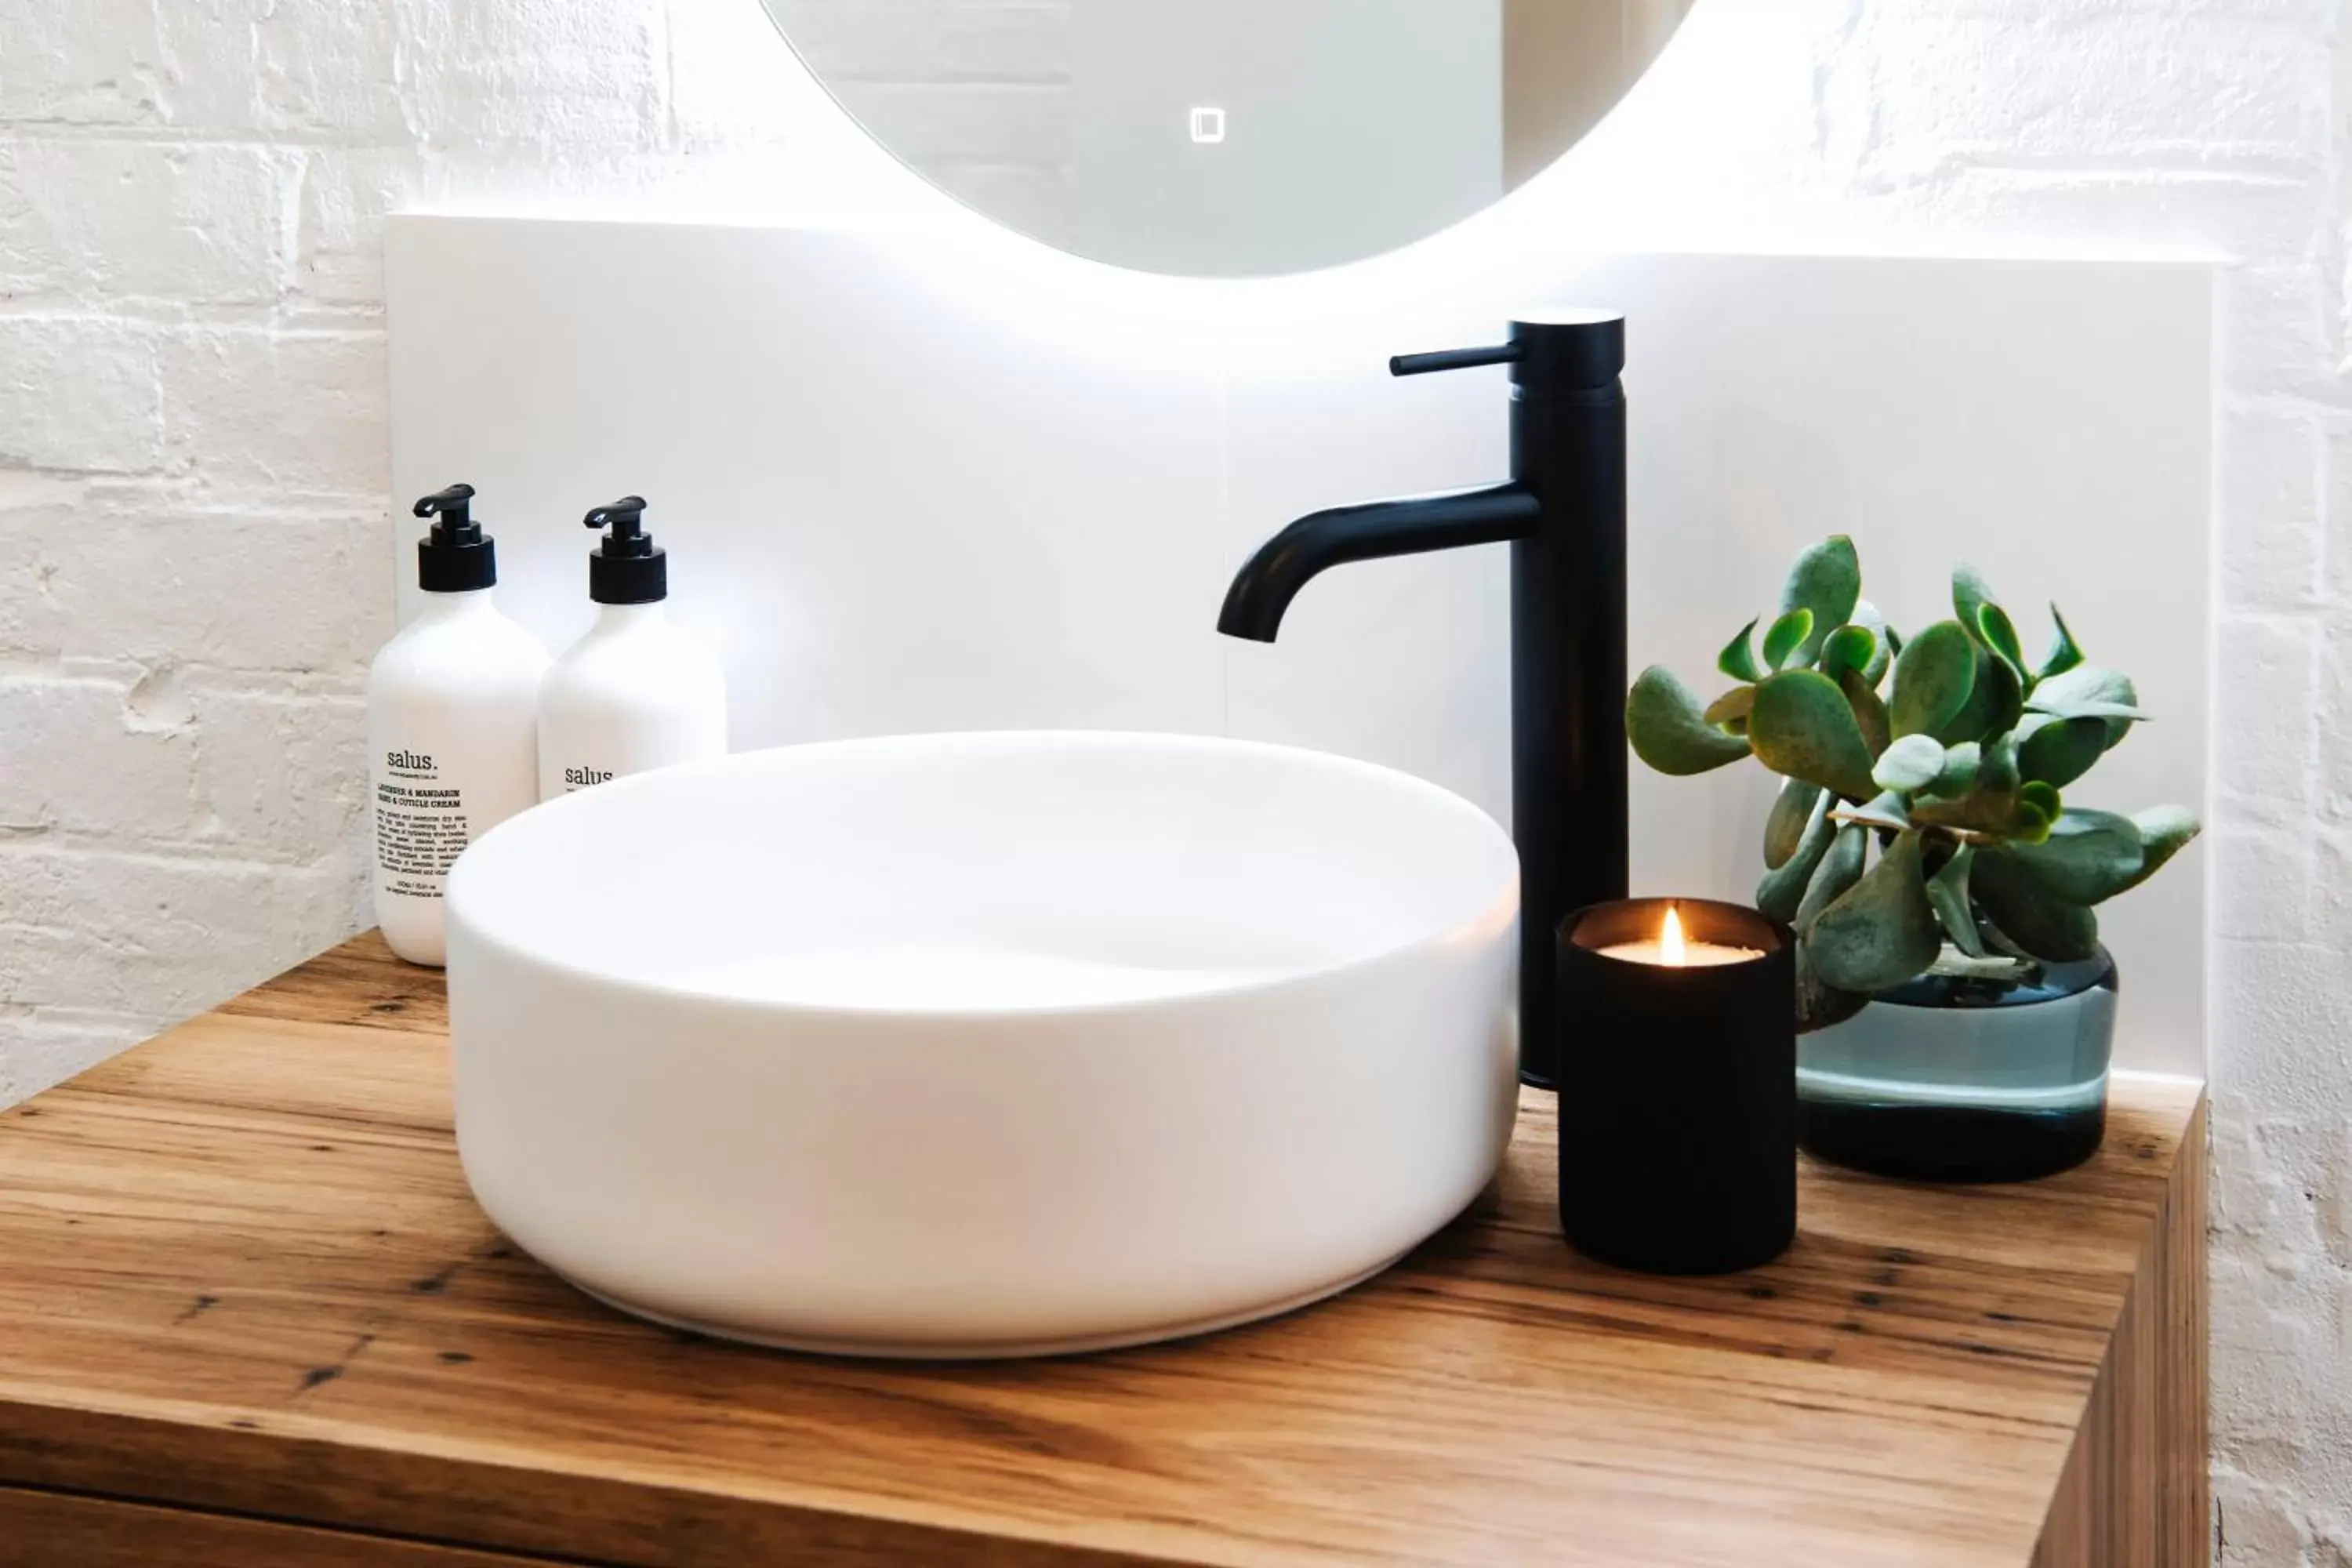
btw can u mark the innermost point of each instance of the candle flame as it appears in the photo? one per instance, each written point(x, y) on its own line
point(1671, 950)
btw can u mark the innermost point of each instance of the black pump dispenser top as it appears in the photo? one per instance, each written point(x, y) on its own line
point(456, 557)
point(628, 568)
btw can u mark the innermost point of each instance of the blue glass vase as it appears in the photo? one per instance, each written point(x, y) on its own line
point(1955, 1078)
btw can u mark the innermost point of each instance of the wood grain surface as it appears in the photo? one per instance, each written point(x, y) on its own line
point(2135, 1493)
point(62, 1530)
point(239, 1272)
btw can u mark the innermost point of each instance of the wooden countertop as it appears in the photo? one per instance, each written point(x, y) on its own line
point(245, 1299)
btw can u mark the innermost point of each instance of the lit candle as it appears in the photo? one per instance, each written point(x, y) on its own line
point(1670, 951)
point(1678, 1052)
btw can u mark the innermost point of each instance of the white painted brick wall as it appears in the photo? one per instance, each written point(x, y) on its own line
point(194, 548)
point(194, 528)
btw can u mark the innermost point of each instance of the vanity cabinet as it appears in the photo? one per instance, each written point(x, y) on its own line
point(249, 1314)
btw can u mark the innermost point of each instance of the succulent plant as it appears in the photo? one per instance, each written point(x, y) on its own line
point(1921, 825)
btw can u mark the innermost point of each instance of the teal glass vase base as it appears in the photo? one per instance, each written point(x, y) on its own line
point(1962, 1079)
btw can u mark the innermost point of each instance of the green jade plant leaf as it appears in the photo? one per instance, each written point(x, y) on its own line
point(1792, 809)
point(2001, 641)
point(1947, 893)
point(1840, 867)
point(1826, 583)
point(1802, 727)
point(1881, 931)
point(1783, 890)
point(1854, 649)
point(1869, 710)
point(1669, 729)
point(1922, 821)
point(1912, 763)
point(1932, 680)
point(2057, 751)
point(1787, 643)
point(1866, 617)
point(1738, 659)
point(2064, 655)
point(1995, 700)
point(1971, 595)
point(2164, 832)
point(1959, 774)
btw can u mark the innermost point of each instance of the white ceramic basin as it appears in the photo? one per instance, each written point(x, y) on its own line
point(983, 1044)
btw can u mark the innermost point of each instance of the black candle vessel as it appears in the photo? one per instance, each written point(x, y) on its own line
point(1677, 1085)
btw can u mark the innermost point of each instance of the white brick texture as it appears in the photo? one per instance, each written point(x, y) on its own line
point(194, 561)
point(195, 552)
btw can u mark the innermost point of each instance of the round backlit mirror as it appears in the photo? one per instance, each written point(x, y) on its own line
point(1227, 136)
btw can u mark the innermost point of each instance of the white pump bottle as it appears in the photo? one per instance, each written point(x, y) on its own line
point(634, 692)
point(451, 702)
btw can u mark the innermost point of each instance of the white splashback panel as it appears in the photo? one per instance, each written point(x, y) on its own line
point(907, 489)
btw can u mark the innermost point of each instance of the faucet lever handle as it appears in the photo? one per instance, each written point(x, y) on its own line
point(1456, 359)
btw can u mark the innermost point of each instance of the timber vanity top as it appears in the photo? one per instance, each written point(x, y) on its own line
point(249, 1314)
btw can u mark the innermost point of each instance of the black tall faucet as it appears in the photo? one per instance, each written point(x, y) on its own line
point(1563, 512)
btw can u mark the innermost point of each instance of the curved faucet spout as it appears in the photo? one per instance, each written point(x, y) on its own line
point(1264, 589)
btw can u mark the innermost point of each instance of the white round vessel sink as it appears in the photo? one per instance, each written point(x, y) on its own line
point(983, 1044)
